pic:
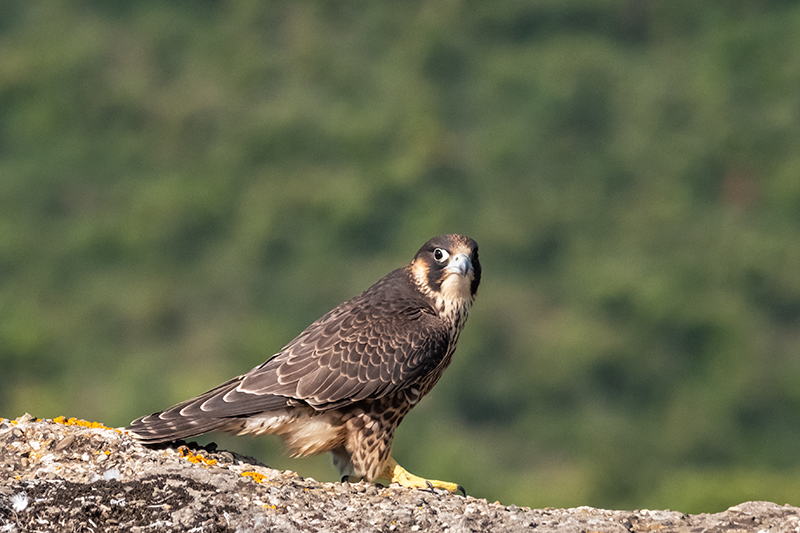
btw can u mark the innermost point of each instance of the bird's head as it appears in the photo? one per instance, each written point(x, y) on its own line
point(447, 268)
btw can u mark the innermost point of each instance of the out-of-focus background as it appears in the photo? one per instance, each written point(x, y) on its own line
point(185, 185)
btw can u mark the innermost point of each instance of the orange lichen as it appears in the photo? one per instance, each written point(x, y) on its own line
point(255, 475)
point(195, 458)
point(72, 421)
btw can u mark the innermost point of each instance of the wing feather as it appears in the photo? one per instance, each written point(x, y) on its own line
point(378, 343)
point(369, 359)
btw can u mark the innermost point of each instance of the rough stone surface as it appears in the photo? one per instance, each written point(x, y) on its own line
point(66, 475)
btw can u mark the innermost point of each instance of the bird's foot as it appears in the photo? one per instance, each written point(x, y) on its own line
point(397, 474)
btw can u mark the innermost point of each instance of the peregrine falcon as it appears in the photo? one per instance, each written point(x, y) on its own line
point(345, 383)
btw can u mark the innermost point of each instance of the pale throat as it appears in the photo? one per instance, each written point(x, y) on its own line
point(454, 298)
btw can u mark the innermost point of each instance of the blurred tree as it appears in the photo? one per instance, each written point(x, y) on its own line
point(186, 185)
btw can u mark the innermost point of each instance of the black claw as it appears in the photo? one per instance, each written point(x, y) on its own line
point(345, 479)
point(430, 485)
point(460, 489)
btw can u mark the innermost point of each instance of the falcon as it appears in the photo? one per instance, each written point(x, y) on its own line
point(346, 382)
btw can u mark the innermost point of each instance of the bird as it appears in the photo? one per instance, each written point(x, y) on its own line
point(346, 382)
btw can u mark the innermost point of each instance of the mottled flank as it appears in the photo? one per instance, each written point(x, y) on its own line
point(345, 383)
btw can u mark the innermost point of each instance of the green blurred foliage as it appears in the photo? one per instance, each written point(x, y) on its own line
point(184, 186)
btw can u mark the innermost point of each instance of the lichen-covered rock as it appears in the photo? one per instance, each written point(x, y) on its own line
point(70, 475)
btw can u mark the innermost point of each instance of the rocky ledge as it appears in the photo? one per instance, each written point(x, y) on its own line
point(72, 475)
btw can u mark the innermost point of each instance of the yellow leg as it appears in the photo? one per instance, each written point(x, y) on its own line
point(397, 474)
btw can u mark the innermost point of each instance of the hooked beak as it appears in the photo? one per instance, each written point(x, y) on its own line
point(459, 264)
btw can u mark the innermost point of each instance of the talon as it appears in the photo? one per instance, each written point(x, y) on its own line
point(397, 474)
point(345, 479)
point(460, 489)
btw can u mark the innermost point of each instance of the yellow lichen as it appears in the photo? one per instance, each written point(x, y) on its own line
point(195, 458)
point(72, 421)
point(255, 475)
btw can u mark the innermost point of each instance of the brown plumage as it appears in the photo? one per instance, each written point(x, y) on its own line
point(346, 382)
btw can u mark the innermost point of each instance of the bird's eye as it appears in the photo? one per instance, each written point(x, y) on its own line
point(440, 255)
